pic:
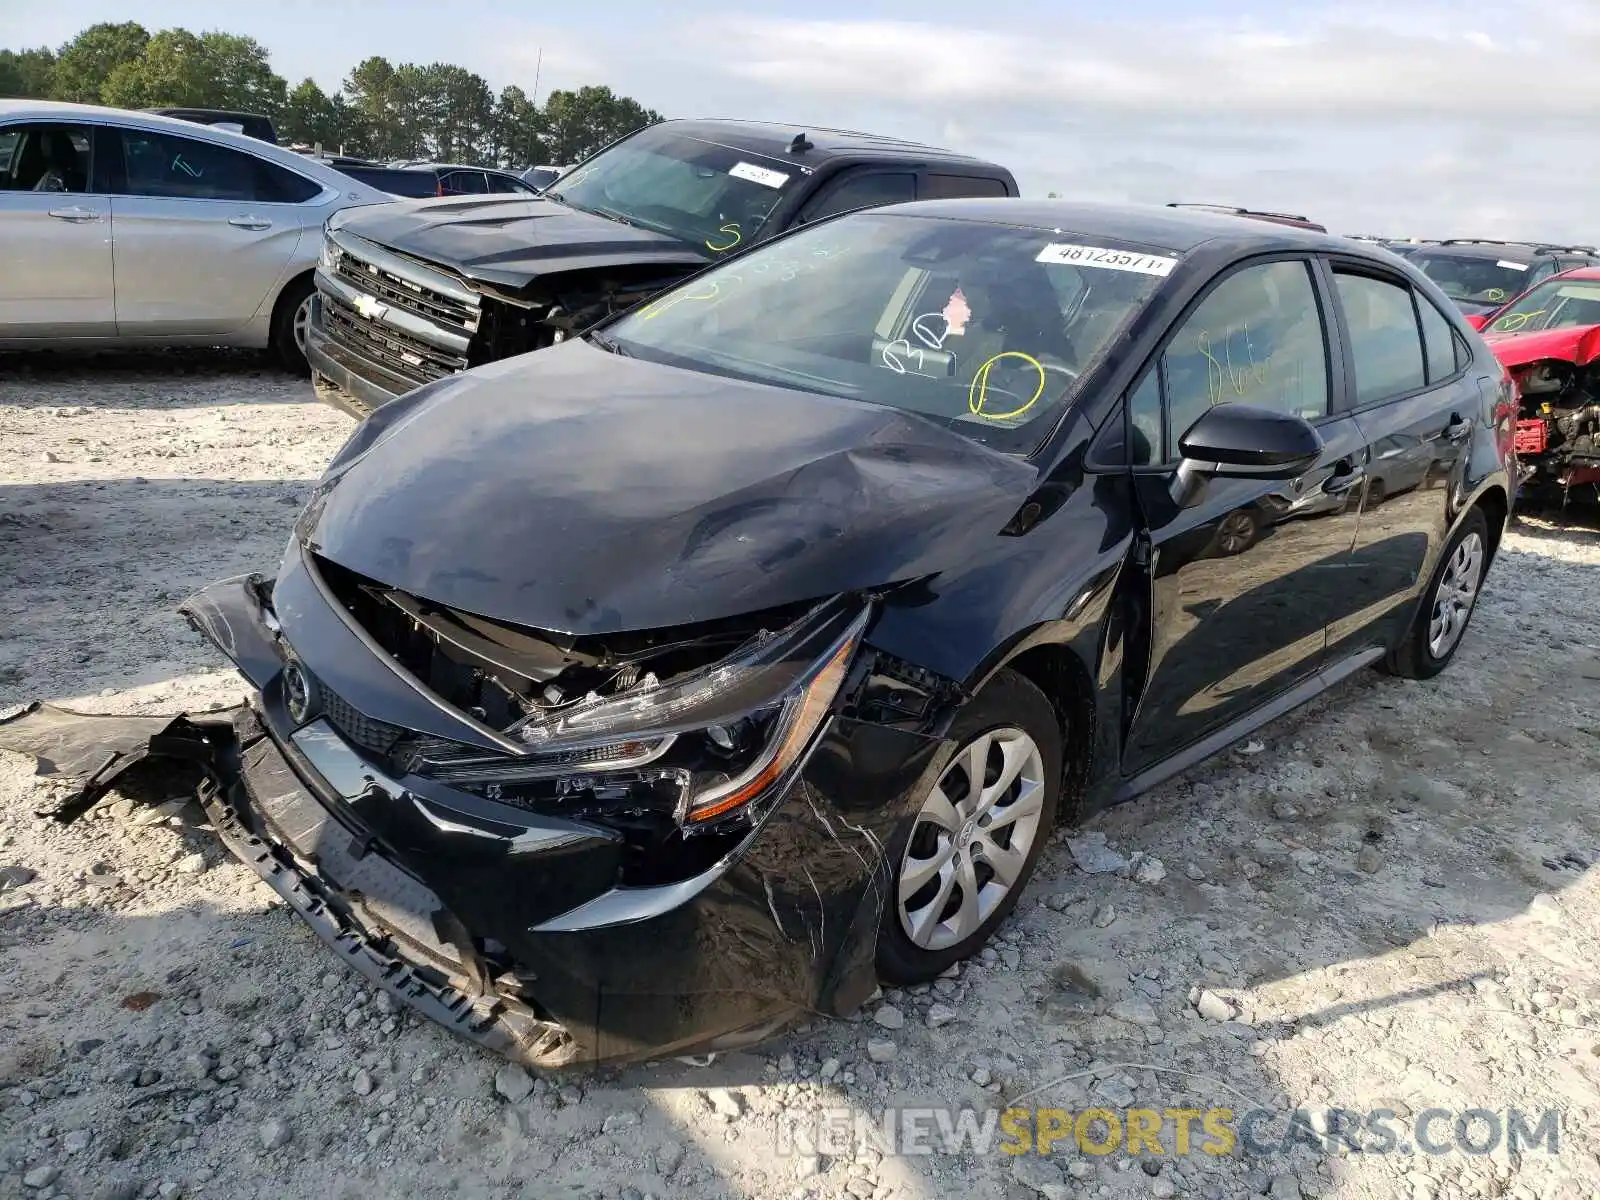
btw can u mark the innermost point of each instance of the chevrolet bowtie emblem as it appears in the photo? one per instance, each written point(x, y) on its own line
point(370, 308)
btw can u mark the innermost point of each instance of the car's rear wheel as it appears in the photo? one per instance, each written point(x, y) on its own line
point(1448, 604)
point(291, 318)
point(962, 865)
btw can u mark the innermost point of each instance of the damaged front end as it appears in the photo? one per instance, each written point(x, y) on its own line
point(569, 849)
point(1558, 423)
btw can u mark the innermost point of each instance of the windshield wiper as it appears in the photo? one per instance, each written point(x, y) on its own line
point(606, 342)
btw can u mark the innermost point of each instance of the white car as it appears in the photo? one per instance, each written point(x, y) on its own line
point(123, 228)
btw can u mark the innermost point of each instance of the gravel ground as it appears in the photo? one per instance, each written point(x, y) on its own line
point(1382, 901)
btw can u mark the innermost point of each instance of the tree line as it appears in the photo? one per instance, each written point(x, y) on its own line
point(436, 111)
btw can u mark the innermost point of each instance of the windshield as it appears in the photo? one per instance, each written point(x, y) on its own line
point(708, 195)
point(1477, 280)
point(983, 329)
point(1554, 304)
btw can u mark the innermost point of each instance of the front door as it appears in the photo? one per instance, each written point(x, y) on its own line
point(55, 271)
point(205, 233)
point(1242, 583)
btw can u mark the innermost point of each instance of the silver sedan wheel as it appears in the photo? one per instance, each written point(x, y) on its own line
point(972, 838)
point(302, 322)
point(1456, 594)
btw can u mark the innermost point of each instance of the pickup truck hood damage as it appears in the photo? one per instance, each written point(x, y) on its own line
point(535, 491)
point(510, 242)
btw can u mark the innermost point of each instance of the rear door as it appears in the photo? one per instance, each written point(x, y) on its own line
point(55, 230)
point(1244, 582)
point(1414, 398)
point(204, 232)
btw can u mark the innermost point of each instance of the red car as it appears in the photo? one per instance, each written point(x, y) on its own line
point(1549, 339)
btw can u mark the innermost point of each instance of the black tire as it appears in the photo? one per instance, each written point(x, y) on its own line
point(1008, 701)
point(285, 349)
point(1414, 658)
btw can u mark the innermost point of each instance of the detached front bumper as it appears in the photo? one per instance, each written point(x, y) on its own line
point(507, 926)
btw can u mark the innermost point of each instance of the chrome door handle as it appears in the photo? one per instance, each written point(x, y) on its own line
point(75, 214)
point(1458, 427)
point(1343, 481)
point(250, 222)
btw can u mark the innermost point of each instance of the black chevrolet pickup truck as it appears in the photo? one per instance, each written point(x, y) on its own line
point(411, 292)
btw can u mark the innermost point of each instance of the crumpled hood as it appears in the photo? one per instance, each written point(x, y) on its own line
point(509, 241)
point(583, 492)
point(1577, 344)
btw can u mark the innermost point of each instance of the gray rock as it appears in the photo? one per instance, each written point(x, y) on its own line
point(889, 1017)
point(1104, 916)
point(940, 1015)
point(807, 1165)
point(513, 1083)
point(1093, 856)
point(275, 1133)
point(363, 1084)
point(77, 1141)
point(880, 1050)
point(41, 1177)
point(623, 1118)
point(264, 1038)
point(15, 877)
point(1115, 1092)
point(1040, 1174)
point(1545, 907)
point(1149, 870)
point(116, 1188)
point(1135, 1012)
point(1011, 959)
point(1285, 810)
point(148, 1077)
point(190, 864)
point(669, 1157)
point(1369, 860)
point(1163, 1188)
point(725, 1103)
point(1284, 1187)
point(1212, 1006)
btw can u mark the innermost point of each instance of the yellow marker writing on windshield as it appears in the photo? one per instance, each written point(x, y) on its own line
point(731, 229)
point(677, 298)
point(978, 390)
point(1512, 322)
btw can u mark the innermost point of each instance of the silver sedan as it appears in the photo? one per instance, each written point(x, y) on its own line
point(123, 228)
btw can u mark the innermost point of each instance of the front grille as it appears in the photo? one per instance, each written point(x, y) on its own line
point(375, 737)
point(453, 314)
point(406, 356)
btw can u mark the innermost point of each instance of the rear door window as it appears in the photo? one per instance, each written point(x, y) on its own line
point(1385, 340)
point(162, 165)
point(464, 183)
point(949, 187)
point(866, 189)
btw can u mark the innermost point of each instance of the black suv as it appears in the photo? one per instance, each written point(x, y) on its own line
point(1480, 274)
point(421, 291)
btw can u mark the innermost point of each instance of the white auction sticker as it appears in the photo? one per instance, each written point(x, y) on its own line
point(1111, 260)
point(1511, 266)
point(761, 175)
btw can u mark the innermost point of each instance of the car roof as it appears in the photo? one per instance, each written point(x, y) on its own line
point(66, 111)
point(1176, 229)
point(773, 138)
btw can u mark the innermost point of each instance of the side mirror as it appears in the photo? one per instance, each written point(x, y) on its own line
point(1478, 320)
point(1242, 441)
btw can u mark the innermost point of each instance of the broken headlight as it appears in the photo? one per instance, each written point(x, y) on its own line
point(721, 736)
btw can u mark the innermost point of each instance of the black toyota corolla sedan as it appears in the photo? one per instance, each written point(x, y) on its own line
point(646, 693)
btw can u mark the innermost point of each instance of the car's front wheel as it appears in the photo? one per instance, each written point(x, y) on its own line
point(973, 844)
point(1448, 604)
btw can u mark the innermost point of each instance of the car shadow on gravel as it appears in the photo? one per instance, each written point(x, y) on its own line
point(92, 572)
point(156, 378)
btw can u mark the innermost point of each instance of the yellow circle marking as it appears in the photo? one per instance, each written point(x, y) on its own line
point(978, 390)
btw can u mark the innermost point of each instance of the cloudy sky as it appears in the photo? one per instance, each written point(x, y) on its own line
point(1457, 118)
